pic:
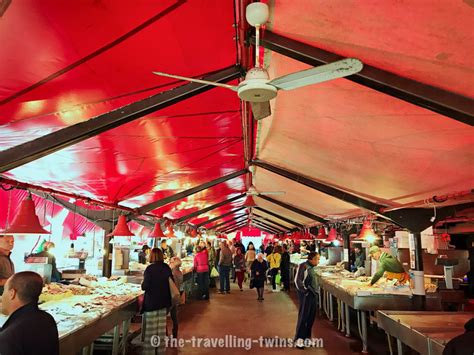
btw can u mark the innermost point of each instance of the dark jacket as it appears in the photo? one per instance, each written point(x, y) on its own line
point(460, 345)
point(359, 259)
point(285, 261)
point(29, 331)
point(261, 268)
point(156, 286)
point(305, 279)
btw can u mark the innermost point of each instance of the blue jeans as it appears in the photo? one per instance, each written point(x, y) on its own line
point(224, 278)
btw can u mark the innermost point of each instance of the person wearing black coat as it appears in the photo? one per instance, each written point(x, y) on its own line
point(285, 268)
point(462, 344)
point(156, 301)
point(258, 274)
point(28, 330)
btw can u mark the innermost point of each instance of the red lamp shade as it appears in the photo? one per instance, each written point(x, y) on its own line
point(26, 221)
point(367, 233)
point(157, 232)
point(121, 229)
point(332, 235)
point(321, 234)
point(249, 202)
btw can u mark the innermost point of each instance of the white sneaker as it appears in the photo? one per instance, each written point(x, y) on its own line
point(299, 343)
point(275, 291)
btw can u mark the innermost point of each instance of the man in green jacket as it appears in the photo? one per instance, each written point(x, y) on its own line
point(389, 265)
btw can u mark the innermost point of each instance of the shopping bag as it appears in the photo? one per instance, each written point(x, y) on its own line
point(174, 292)
point(278, 278)
point(214, 272)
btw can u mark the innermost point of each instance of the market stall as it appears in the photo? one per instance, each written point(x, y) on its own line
point(88, 310)
point(425, 332)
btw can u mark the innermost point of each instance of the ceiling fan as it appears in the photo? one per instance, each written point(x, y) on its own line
point(258, 89)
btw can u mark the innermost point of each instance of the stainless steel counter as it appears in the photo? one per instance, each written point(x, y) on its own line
point(425, 332)
point(118, 319)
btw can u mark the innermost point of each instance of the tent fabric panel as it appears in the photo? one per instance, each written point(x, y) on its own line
point(425, 41)
point(369, 143)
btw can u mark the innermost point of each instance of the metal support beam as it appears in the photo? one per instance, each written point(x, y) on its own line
point(418, 219)
point(164, 201)
point(271, 221)
point(293, 208)
point(235, 219)
point(50, 143)
point(269, 226)
point(233, 228)
point(446, 103)
point(221, 216)
point(210, 208)
point(264, 225)
point(328, 190)
point(264, 229)
point(287, 220)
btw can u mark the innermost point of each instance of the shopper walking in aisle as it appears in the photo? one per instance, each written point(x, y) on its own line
point(225, 263)
point(233, 249)
point(250, 256)
point(157, 299)
point(307, 290)
point(239, 266)
point(285, 268)
point(274, 261)
point(269, 249)
point(175, 265)
point(201, 267)
point(258, 274)
point(211, 257)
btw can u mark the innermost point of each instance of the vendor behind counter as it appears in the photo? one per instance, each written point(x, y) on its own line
point(7, 268)
point(388, 265)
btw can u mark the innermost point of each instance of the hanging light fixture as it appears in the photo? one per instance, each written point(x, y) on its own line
point(249, 201)
point(367, 233)
point(332, 236)
point(121, 229)
point(321, 234)
point(157, 232)
point(26, 221)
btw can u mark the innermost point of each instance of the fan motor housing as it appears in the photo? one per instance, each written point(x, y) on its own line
point(255, 90)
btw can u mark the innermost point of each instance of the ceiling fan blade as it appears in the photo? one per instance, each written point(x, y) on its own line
point(227, 86)
point(272, 193)
point(315, 75)
point(260, 110)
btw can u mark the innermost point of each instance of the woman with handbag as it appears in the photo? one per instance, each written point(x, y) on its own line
point(239, 265)
point(157, 299)
point(258, 271)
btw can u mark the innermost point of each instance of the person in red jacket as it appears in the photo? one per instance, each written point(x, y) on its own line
point(201, 267)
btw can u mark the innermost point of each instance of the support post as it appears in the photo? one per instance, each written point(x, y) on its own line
point(107, 258)
point(347, 248)
point(419, 296)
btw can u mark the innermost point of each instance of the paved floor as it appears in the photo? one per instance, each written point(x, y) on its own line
point(244, 323)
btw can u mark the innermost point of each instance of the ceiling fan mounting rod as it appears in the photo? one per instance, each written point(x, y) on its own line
point(257, 46)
